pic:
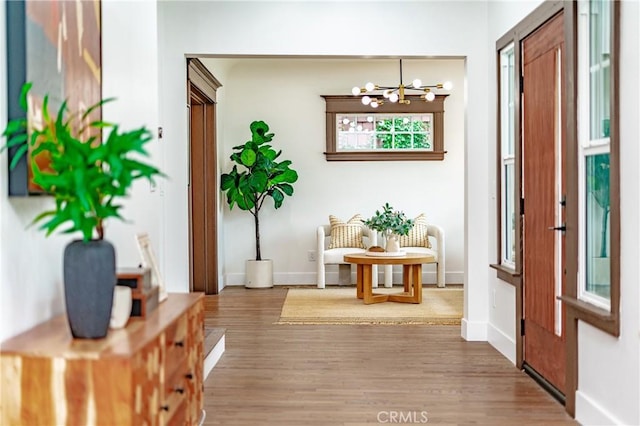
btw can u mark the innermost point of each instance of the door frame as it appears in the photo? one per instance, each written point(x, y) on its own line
point(202, 86)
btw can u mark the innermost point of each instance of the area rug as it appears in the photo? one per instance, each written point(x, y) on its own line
point(440, 306)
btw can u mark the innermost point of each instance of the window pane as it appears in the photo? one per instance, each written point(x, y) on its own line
point(384, 132)
point(507, 150)
point(507, 105)
point(509, 216)
point(355, 132)
point(598, 279)
point(599, 67)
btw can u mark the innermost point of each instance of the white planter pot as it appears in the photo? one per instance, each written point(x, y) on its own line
point(259, 274)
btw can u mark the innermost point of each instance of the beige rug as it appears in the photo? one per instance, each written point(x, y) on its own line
point(340, 306)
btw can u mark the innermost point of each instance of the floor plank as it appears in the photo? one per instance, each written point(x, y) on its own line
point(357, 374)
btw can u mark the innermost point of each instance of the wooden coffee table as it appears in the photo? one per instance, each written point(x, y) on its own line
point(411, 276)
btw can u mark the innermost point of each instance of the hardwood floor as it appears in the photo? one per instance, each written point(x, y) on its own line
point(357, 374)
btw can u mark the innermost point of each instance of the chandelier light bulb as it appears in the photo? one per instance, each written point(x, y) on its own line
point(393, 97)
point(345, 120)
point(366, 100)
point(370, 86)
point(355, 90)
point(387, 93)
point(417, 83)
point(447, 85)
point(374, 104)
point(430, 96)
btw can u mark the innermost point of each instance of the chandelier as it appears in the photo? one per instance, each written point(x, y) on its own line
point(397, 93)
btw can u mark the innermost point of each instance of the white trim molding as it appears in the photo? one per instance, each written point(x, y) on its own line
point(502, 342)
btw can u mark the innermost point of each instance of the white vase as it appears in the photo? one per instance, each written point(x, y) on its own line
point(121, 309)
point(392, 243)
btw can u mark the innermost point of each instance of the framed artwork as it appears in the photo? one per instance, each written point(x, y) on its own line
point(55, 45)
point(149, 261)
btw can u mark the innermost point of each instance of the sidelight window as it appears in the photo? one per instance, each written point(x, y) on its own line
point(594, 151)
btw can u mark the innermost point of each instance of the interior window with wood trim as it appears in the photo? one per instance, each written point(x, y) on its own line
point(391, 132)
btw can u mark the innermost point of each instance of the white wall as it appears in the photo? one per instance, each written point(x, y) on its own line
point(130, 74)
point(330, 28)
point(286, 94)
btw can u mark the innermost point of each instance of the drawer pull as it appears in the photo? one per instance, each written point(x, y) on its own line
point(179, 343)
point(179, 390)
point(165, 408)
point(189, 376)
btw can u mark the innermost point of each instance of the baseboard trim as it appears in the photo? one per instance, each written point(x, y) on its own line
point(331, 278)
point(502, 342)
point(474, 331)
point(546, 385)
point(214, 356)
point(589, 412)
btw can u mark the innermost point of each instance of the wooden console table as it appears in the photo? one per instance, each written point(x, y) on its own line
point(150, 372)
point(411, 276)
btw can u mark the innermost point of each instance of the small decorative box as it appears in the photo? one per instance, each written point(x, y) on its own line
point(144, 302)
point(139, 279)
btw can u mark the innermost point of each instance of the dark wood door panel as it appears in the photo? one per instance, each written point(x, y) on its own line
point(542, 184)
point(203, 191)
point(198, 211)
point(539, 154)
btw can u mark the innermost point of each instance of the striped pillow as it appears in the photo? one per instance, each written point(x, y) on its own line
point(417, 237)
point(347, 234)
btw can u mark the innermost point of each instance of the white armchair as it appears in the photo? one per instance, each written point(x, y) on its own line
point(436, 237)
point(335, 256)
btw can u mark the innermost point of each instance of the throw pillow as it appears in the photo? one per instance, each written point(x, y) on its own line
point(417, 237)
point(346, 234)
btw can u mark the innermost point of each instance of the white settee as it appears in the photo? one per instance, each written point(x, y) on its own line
point(335, 256)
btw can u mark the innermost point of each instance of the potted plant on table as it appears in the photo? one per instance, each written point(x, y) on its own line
point(391, 224)
point(261, 176)
point(86, 178)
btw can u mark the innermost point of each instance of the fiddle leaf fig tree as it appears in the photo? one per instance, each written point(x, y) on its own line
point(257, 175)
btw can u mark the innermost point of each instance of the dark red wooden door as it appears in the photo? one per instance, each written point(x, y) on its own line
point(543, 191)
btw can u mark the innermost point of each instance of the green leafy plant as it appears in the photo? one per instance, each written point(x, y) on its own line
point(261, 177)
point(389, 221)
point(85, 177)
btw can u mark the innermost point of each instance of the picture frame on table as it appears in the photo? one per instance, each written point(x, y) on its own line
point(149, 261)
